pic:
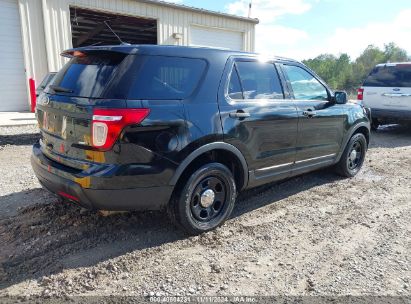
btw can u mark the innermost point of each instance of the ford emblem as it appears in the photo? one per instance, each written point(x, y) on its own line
point(396, 89)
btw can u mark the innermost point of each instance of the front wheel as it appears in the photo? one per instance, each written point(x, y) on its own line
point(353, 156)
point(205, 200)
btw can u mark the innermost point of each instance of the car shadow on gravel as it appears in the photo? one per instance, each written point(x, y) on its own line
point(45, 238)
point(24, 139)
point(391, 136)
point(271, 193)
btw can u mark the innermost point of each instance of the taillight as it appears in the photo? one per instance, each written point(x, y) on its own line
point(360, 93)
point(108, 124)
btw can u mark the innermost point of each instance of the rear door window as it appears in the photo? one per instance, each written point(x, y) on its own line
point(259, 80)
point(390, 76)
point(162, 77)
point(87, 75)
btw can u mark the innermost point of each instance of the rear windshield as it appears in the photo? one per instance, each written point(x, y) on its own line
point(390, 76)
point(162, 77)
point(86, 76)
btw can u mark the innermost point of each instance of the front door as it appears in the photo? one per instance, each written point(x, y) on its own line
point(321, 122)
point(258, 119)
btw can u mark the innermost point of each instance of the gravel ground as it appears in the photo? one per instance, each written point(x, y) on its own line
point(316, 234)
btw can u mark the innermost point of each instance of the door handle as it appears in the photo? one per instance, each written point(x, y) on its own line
point(309, 113)
point(239, 114)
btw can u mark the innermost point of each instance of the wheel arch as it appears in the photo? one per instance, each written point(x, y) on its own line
point(363, 130)
point(362, 127)
point(217, 151)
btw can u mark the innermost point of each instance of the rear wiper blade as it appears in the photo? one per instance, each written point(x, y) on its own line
point(60, 89)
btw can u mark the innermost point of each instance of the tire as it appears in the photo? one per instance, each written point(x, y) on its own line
point(375, 124)
point(205, 199)
point(351, 162)
point(406, 124)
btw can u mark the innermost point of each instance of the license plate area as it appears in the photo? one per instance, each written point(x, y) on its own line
point(56, 124)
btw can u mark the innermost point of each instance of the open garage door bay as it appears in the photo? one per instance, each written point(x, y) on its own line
point(89, 27)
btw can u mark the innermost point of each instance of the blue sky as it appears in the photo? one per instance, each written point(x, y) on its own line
point(306, 28)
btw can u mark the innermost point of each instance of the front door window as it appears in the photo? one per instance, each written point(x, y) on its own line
point(304, 85)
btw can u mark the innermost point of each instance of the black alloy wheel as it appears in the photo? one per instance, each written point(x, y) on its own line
point(208, 199)
point(353, 156)
point(205, 200)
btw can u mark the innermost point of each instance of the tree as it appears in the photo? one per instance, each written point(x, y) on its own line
point(342, 73)
point(362, 66)
point(394, 54)
point(335, 71)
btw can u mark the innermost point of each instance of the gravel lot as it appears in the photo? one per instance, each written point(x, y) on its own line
point(316, 234)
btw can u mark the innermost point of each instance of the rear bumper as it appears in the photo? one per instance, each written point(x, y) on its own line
point(59, 181)
point(391, 115)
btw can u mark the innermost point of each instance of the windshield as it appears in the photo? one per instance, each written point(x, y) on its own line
point(398, 75)
point(87, 75)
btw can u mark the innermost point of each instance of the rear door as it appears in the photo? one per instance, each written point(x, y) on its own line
point(258, 118)
point(388, 87)
point(321, 123)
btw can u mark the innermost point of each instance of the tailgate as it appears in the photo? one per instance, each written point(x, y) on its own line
point(388, 87)
point(390, 98)
point(65, 128)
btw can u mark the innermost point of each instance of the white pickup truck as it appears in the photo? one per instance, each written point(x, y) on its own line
point(387, 92)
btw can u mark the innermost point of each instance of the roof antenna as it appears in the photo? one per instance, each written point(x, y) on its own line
point(249, 8)
point(118, 37)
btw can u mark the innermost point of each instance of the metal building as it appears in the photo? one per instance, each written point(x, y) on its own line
point(34, 32)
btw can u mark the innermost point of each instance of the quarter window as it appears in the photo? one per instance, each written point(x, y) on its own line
point(167, 78)
point(259, 80)
point(304, 85)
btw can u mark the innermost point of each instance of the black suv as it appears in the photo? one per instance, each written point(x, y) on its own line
point(184, 129)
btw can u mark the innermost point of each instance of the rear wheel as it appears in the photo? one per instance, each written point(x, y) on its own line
point(375, 124)
point(205, 200)
point(353, 156)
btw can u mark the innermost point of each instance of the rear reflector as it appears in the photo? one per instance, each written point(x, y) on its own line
point(33, 98)
point(108, 124)
point(70, 197)
point(360, 93)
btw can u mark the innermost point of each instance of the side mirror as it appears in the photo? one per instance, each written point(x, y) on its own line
point(340, 97)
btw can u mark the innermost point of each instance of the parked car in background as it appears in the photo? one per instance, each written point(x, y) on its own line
point(387, 92)
point(185, 129)
point(45, 82)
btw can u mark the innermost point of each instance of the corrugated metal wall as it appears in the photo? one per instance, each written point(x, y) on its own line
point(47, 30)
point(34, 44)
